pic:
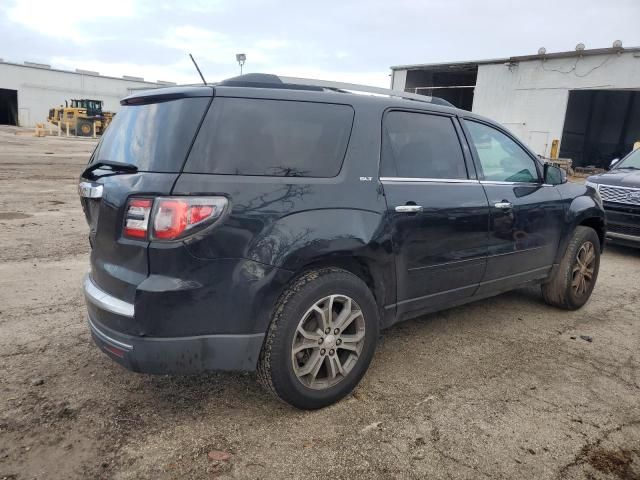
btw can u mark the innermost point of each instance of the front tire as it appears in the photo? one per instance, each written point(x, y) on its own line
point(572, 283)
point(321, 339)
point(84, 128)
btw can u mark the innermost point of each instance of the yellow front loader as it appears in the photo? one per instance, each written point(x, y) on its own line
point(82, 116)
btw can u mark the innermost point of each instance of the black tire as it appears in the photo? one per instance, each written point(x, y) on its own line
point(84, 128)
point(275, 367)
point(559, 290)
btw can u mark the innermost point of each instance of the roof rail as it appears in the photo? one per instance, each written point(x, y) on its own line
point(354, 87)
point(275, 81)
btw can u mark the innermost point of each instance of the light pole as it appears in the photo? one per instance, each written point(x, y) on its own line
point(241, 58)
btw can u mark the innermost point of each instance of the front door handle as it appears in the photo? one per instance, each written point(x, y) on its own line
point(504, 205)
point(408, 208)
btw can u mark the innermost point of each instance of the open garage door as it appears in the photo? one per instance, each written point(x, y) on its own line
point(8, 107)
point(600, 125)
point(454, 83)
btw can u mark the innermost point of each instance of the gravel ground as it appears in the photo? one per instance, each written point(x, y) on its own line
point(502, 388)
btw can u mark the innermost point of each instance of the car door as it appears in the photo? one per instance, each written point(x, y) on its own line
point(437, 211)
point(526, 215)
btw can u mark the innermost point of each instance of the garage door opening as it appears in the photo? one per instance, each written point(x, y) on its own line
point(454, 83)
point(600, 125)
point(8, 107)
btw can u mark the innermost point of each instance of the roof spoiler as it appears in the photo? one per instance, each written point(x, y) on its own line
point(156, 95)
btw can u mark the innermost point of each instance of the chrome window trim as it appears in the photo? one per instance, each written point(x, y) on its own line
point(524, 184)
point(103, 300)
point(426, 180)
point(460, 180)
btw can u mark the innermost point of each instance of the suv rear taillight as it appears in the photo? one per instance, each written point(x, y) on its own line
point(176, 217)
point(136, 218)
point(171, 218)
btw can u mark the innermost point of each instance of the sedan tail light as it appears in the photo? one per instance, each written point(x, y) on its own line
point(171, 218)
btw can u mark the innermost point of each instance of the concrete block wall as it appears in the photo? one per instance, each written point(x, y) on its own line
point(530, 97)
point(40, 89)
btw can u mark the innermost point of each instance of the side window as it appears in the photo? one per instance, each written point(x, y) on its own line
point(502, 159)
point(243, 136)
point(420, 145)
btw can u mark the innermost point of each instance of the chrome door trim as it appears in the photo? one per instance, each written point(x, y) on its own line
point(524, 184)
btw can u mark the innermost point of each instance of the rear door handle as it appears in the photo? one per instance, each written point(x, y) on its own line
point(408, 208)
point(503, 205)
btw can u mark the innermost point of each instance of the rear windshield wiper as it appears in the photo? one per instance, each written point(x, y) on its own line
point(115, 167)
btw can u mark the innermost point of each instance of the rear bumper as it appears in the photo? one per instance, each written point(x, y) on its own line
point(162, 355)
point(180, 354)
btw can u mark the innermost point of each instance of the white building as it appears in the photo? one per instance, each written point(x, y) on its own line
point(29, 90)
point(587, 101)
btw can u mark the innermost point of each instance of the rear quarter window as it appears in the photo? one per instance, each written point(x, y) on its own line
point(154, 137)
point(242, 136)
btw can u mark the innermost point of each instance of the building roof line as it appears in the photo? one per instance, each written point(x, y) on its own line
point(85, 73)
point(537, 56)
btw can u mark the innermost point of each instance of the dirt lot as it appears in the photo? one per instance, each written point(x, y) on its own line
point(503, 388)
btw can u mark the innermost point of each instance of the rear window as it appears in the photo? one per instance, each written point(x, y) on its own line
point(272, 137)
point(153, 137)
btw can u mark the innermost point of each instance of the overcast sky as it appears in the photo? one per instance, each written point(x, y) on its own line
point(354, 41)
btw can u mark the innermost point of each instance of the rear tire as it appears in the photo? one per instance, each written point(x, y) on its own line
point(321, 339)
point(572, 283)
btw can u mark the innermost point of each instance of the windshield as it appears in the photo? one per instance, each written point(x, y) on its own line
point(153, 137)
point(631, 161)
point(93, 105)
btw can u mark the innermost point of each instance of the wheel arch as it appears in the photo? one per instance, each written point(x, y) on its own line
point(378, 277)
point(362, 267)
point(584, 210)
point(599, 225)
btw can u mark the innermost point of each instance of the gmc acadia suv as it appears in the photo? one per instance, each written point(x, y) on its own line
point(263, 225)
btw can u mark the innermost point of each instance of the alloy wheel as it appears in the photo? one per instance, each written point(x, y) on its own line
point(328, 342)
point(584, 268)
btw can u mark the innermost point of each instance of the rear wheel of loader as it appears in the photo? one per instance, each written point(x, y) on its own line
point(85, 128)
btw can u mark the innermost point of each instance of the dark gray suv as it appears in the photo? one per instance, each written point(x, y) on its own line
point(276, 226)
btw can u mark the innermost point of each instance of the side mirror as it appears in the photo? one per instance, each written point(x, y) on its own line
point(554, 175)
point(613, 162)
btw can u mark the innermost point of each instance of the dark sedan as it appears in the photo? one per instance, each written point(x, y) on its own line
point(620, 192)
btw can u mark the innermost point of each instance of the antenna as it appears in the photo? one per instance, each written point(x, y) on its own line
point(198, 68)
